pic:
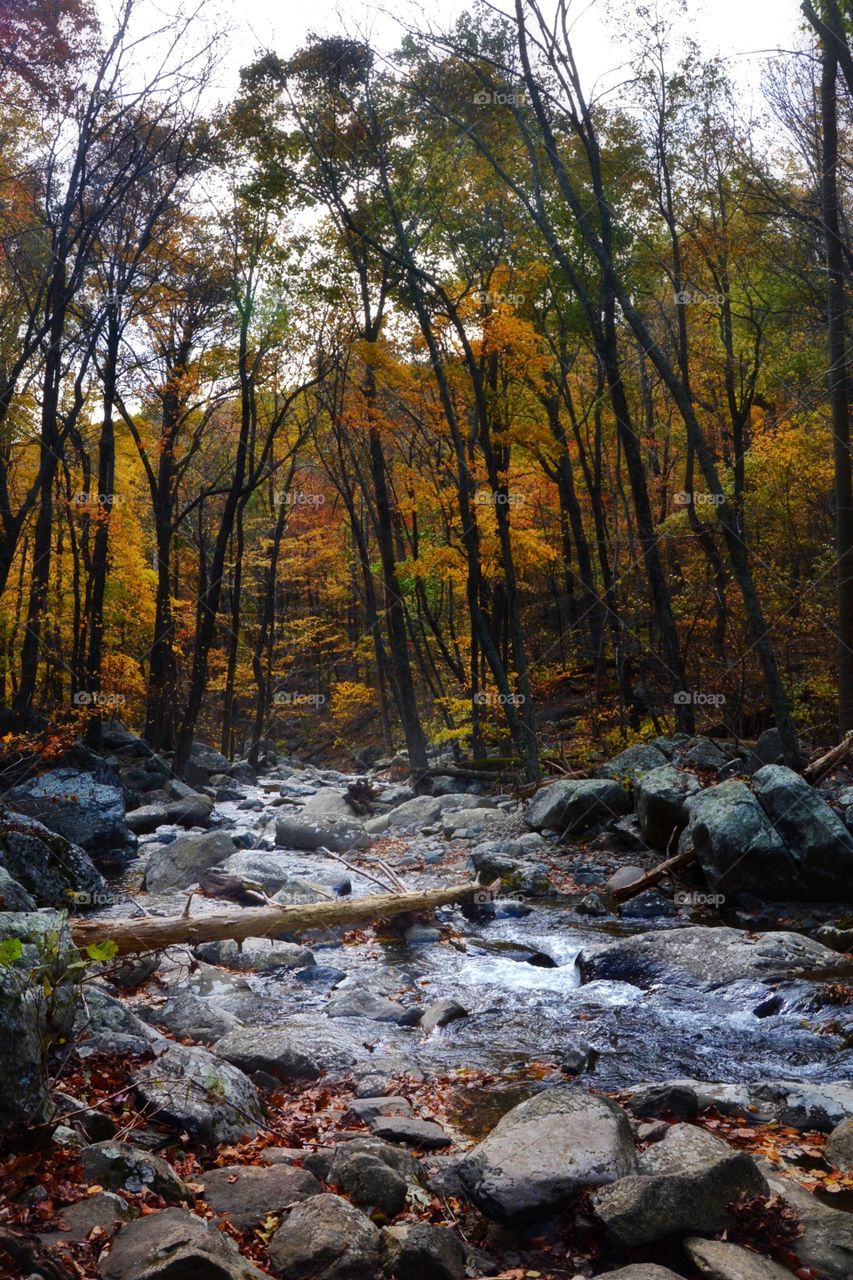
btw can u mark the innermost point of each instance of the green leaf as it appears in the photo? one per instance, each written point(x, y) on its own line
point(11, 949)
point(103, 951)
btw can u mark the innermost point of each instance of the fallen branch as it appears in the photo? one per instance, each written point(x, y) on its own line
point(653, 877)
point(819, 768)
point(152, 933)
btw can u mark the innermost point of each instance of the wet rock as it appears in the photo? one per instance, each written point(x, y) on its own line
point(368, 1181)
point(337, 834)
point(708, 957)
point(30, 1023)
point(86, 811)
point(147, 818)
point(816, 838)
point(183, 862)
point(245, 1194)
point(631, 765)
point(676, 1102)
point(256, 955)
point(839, 1146)
point(415, 1133)
point(192, 1017)
point(189, 1088)
point(118, 1166)
point(592, 905)
point(737, 846)
point(574, 805)
point(358, 1002)
point(515, 874)
point(242, 771)
point(440, 1013)
point(418, 1251)
point(686, 1183)
point(660, 798)
point(46, 865)
point(718, 1260)
point(172, 1244)
point(827, 1242)
point(542, 1153)
point(648, 906)
point(275, 872)
point(104, 1210)
point(804, 1105)
point(278, 1052)
point(325, 1238)
point(367, 1109)
point(624, 877)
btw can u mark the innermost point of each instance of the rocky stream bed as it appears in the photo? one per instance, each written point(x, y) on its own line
point(535, 1083)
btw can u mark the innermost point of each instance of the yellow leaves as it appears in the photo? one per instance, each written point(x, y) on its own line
point(350, 698)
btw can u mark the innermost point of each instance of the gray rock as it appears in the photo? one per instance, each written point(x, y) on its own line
point(574, 805)
point(704, 753)
point(441, 1013)
point(103, 1016)
point(189, 1088)
point(194, 1018)
point(104, 1210)
point(592, 904)
point(13, 896)
point(804, 1105)
point(718, 1260)
point(648, 906)
point(817, 840)
point(242, 771)
point(768, 748)
point(660, 798)
point(515, 874)
point(76, 805)
point(396, 1158)
point(147, 818)
point(640, 1271)
point(277, 1052)
point(542, 1153)
point(686, 1183)
point(415, 1133)
point(368, 1181)
point(175, 1244)
point(357, 1002)
point(245, 1194)
point(676, 1101)
point(418, 1251)
point(118, 1166)
point(256, 955)
point(737, 846)
point(337, 834)
point(49, 867)
point(839, 1146)
point(30, 1020)
point(827, 1242)
point(631, 765)
point(325, 1238)
point(709, 957)
point(367, 1109)
point(469, 823)
point(181, 863)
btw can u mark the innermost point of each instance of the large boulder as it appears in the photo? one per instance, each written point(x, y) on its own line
point(826, 1244)
point(38, 1001)
point(737, 846)
point(118, 1166)
point(630, 765)
point(573, 805)
point(337, 834)
point(182, 863)
point(47, 865)
point(173, 1245)
point(660, 798)
point(256, 955)
point(707, 957)
point(190, 1089)
point(88, 812)
point(686, 1183)
point(192, 1017)
point(819, 843)
point(543, 1152)
point(719, 1260)
point(278, 1052)
point(325, 1238)
point(839, 1146)
point(419, 1251)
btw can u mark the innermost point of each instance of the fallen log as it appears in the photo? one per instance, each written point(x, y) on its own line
point(654, 876)
point(152, 933)
point(819, 768)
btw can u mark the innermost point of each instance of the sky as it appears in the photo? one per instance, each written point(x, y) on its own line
point(743, 32)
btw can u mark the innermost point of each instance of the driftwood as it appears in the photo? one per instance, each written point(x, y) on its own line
point(819, 768)
point(654, 876)
point(151, 933)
